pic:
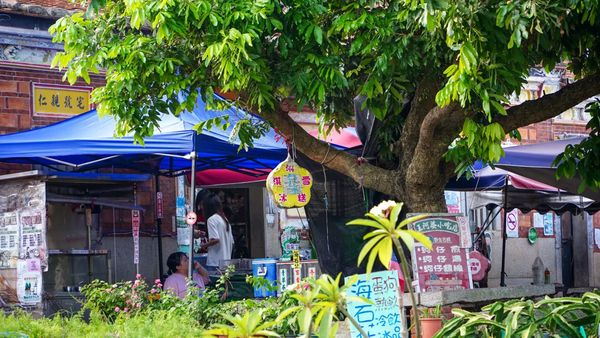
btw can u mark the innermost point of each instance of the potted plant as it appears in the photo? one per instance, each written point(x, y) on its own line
point(431, 321)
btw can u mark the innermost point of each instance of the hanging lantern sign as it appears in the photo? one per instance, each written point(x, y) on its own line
point(289, 184)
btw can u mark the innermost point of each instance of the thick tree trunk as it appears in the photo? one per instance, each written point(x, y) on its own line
point(423, 195)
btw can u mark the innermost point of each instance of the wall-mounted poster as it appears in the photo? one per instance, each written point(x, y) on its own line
point(23, 254)
point(9, 240)
point(538, 220)
point(445, 267)
point(32, 241)
point(23, 203)
point(29, 282)
point(548, 224)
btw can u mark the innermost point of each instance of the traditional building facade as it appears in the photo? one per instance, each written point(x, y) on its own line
point(32, 95)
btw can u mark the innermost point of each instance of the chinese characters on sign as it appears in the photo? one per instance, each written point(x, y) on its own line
point(381, 318)
point(445, 267)
point(23, 239)
point(9, 240)
point(60, 100)
point(29, 281)
point(289, 185)
point(135, 228)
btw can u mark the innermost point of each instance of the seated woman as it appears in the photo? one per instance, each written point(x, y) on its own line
point(178, 274)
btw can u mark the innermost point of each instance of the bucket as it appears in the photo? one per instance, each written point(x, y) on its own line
point(265, 268)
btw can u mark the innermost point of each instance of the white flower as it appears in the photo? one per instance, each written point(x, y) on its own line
point(382, 208)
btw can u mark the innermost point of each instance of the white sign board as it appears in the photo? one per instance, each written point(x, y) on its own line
point(512, 224)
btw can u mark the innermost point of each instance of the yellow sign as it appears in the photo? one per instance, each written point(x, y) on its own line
point(289, 184)
point(49, 100)
point(296, 259)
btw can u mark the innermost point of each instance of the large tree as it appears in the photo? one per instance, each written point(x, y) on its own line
point(436, 72)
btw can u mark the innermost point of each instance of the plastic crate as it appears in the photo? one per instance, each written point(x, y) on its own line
point(242, 265)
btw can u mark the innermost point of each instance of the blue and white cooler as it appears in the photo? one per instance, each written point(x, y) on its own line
point(265, 268)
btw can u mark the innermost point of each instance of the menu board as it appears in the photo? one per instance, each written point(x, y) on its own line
point(381, 318)
point(444, 267)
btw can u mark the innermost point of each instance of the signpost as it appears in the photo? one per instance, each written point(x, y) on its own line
point(381, 317)
point(445, 267)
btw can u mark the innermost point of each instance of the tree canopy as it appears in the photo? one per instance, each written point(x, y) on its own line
point(438, 73)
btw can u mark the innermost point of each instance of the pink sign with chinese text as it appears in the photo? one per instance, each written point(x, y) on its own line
point(446, 266)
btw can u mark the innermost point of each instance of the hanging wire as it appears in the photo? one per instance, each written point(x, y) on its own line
point(325, 197)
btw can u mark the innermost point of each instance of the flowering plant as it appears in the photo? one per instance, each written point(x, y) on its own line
point(387, 231)
point(124, 298)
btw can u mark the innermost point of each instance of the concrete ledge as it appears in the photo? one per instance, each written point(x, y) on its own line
point(484, 295)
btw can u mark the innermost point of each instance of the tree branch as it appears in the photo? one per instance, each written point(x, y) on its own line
point(368, 175)
point(550, 105)
point(422, 103)
point(433, 141)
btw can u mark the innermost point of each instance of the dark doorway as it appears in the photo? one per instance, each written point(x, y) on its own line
point(566, 223)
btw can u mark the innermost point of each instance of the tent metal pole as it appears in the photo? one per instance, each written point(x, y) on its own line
point(505, 204)
point(486, 225)
point(158, 227)
point(192, 207)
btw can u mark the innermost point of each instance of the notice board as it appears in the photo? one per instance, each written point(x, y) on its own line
point(446, 266)
point(23, 254)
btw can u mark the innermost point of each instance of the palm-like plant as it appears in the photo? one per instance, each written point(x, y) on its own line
point(246, 326)
point(385, 236)
point(319, 300)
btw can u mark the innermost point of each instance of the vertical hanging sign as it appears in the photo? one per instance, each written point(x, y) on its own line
point(135, 230)
point(159, 205)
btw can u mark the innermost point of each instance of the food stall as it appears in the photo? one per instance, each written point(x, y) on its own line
point(49, 231)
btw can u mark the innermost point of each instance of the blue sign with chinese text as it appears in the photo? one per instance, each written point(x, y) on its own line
point(381, 319)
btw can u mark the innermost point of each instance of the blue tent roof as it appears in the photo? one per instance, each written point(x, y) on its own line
point(87, 141)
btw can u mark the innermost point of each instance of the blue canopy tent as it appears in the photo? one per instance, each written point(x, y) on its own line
point(87, 142)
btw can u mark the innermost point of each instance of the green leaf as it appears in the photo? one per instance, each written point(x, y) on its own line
point(385, 248)
point(366, 249)
point(318, 33)
point(395, 213)
point(421, 238)
point(365, 222)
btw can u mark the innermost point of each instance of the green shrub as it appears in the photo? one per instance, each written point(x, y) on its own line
point(155, 323)
point(556, 317)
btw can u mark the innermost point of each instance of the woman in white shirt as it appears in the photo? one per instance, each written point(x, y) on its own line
point(220, 238)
